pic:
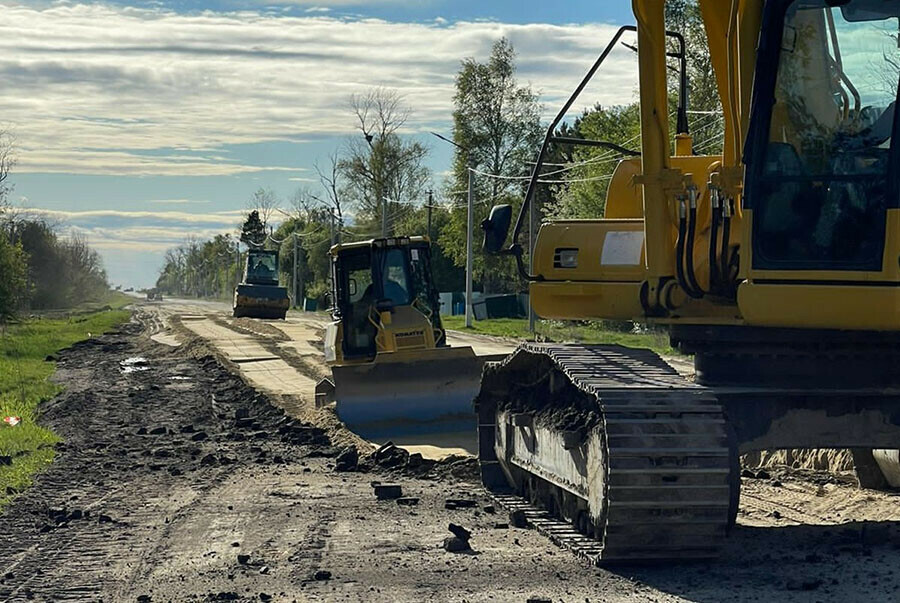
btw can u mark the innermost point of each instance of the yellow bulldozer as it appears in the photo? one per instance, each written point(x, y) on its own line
point(775, 263)
point(393, 373)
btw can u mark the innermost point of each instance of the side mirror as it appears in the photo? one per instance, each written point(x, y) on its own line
point(495, 228)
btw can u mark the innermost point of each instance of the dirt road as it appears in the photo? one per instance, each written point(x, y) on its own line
point(180, 481)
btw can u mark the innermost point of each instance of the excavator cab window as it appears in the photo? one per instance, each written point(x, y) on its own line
point(822, 179)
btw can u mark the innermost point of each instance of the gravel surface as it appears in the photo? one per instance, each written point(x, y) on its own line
point(178, 482)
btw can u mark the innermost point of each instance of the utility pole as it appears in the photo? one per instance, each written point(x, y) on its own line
point(430, 204)
point(237, 264)
point(296, 292)
point(331, 222)
point(384, 217)
point(471, 163)
point(469, 258)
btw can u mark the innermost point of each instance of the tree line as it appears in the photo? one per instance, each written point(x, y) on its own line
point(39, 268)
point(379, 182)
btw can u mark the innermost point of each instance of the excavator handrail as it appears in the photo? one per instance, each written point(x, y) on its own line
point(515, 248)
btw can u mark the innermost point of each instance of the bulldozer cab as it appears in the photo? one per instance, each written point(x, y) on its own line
point(381, 276)
point(262, 267)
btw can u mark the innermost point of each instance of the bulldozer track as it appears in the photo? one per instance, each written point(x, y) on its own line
point(666, 456)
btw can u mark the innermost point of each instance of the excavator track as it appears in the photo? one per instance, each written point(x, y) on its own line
point(614, 441)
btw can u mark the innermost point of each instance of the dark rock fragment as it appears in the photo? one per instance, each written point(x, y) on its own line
point(209, 459)
point(408, 501)
point(459, 503)
point(454, 544)
point(199, 436)
point(517, 519)
point(322, 575)
point(390, 456)
point(347, 460)
point(388, 491)
point(459, 531)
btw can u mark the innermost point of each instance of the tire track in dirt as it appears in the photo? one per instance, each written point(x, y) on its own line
point(146, 442)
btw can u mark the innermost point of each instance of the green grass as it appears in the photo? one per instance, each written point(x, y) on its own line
point(566, 331)
point(24, 383)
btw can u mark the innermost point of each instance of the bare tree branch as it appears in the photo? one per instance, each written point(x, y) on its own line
point(265, 202)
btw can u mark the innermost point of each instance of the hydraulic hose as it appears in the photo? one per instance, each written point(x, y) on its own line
point(724, 268)
point(679, 251)
point(696, 290)
point(714, 278)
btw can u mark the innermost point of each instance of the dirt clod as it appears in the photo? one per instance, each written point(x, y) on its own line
point(460, 532)
point(321, 575)
point(388, 491)
point(347, 460)
point(454, 544)
point(517, 519)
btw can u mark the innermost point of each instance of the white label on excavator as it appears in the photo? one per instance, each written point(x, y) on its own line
point(415, 254)
point(622, 248)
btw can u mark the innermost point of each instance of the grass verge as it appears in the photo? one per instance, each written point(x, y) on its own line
point(24, 383)
point(566, 331)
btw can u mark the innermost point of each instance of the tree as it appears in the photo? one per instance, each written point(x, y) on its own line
point(382, 172)
point(253, 231)
point(329, 178)
point(582, 193)
point(13, 278)
point(684, 17)
point(7, 162)
point(264, 202)
point(497, 123)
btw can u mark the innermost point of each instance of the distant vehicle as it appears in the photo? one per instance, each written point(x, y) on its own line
point(259, 294)
point(154, 295)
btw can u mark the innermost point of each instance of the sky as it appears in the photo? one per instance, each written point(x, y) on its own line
point(138, 124)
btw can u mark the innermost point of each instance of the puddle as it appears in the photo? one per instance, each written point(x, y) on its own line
point(135, 364)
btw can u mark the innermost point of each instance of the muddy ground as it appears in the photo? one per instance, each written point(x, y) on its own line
point(179, 482)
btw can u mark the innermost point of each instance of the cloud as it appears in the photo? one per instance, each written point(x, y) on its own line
point(90, 88)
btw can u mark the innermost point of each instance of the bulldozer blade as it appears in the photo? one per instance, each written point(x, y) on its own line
point(415, 392)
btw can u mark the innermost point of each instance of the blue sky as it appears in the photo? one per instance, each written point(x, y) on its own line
point(139, 124)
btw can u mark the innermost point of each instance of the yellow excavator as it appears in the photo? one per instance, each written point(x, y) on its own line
point(393, 373)
point(776, 264)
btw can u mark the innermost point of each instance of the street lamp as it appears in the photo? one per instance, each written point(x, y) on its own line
point(469, 218)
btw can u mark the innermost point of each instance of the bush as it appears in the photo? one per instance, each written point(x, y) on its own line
point(13, 278)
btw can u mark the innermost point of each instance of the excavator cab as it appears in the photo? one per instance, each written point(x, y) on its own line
point(393, 373)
